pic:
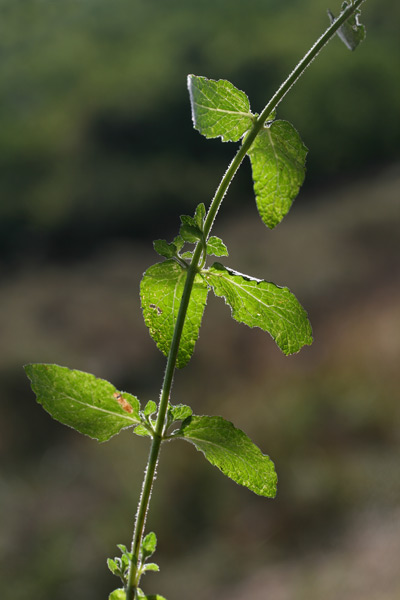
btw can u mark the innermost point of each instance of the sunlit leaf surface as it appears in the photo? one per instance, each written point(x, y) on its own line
point(278, 159)
point(263, 304)
point(232, 452)
point(161, 292)
point(219, 109)
point(80, 400)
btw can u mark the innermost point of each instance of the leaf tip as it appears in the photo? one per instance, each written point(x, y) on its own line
point(27, 368)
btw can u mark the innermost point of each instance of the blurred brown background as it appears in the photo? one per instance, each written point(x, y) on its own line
point(98, 158)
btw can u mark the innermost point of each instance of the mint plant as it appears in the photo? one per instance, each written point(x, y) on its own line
point(174, 295)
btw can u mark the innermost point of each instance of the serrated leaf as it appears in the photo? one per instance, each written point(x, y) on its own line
point(161, 292)
point(180, 412)
point(216, 246)
point(118, 594)
point(150, 408)
point(190, 233)
point(188, 220)
point(219, 109)
point(352, 32)
point(263, 304)
point(278, 159)
point(80, 400)
point(149, 545)
point(163, 248)
point(178, 242)
point(229, 449)
point(142, 431)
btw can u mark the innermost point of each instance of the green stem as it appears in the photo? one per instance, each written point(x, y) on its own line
point(249, 138)
point(159, 428)
point(270, 107)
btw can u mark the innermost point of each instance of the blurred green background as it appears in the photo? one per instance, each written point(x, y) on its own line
point(98, 158)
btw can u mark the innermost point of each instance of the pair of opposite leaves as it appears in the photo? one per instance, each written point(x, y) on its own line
point(277, 157)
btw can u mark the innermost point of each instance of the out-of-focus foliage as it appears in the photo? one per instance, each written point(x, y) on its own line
point(95, 120)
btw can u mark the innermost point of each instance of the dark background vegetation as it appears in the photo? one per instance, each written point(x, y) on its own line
point(98, 158)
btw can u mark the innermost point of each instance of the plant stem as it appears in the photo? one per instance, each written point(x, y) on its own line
point(159, 428)
point(270, 107)
point(150, 473)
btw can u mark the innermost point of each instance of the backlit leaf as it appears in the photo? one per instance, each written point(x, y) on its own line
point(150, 408)
point(232, 452)
point(142, 596)
point(199, 215)
point(163, 248)
point(161, 292)
point(118, 594)
point(142, 431)
point(219, 109)
point(149, 545)
point(80, 400)
point(190, 233)
point(216, 246)
point(278, 159)
point(112, 565)
point(263, 304)
point(151, 567)
point(352, 32)
point(179, 412)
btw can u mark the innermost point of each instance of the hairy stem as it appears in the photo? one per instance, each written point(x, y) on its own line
point(159, 428)
point(150, 474)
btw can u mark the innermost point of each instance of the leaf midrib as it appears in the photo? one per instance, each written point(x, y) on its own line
point(245, 291)
point(63, 396)
point(229, 112)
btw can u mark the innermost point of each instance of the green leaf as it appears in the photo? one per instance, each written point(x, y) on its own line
point(278, 159)
point(163, 248)
point(199, 215)
point(188, 220)
point(91, 406)
point(219, 109)
point(178, 242)
point(142, 431)
point(216, 246)
point(352, 32)
point(232, 452)
point(263, 304)
point(142, 596)
point(112, 565)
point(190, 233)
point(118, 594)
point(192, 227)
point(151, 567)
point(161, 292)
point(150, 408)
point(149, 545)
point(180, 412)
point(125, 562)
